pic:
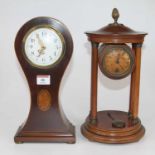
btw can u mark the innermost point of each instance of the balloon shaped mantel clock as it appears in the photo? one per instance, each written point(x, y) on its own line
point(117, 50)
point(44, 47)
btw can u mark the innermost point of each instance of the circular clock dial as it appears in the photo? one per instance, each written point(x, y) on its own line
point(43, 47)
point(117, 61)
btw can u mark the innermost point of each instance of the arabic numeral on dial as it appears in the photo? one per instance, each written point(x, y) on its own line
point(31, 46)
point(55, 53)
point(43, 59)
point(32, 52)
point(44, 33)
point(57, 47)
point(50, 57)
point(32, 40)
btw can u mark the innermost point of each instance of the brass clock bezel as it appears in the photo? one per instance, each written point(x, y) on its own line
point(105, 49)
point(48, 27)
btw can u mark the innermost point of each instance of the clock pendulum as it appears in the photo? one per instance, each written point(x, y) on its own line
point(116, 59)
point(44, 47)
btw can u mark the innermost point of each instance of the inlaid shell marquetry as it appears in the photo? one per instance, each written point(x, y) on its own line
point(44, 100)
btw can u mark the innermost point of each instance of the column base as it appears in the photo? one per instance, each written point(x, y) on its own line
point(113, 127)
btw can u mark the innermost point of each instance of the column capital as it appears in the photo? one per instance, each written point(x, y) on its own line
point(137, 45)
point(94, 44)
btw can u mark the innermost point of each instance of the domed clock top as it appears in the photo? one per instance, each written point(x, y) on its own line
point(115, 32)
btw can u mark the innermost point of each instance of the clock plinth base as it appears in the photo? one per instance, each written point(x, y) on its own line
point(105, 132)
point(48, 137)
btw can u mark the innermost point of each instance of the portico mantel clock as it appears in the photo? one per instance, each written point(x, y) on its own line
point(44, 47)
point(117, 50)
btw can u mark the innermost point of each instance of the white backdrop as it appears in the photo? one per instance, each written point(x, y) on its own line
point(79, 16)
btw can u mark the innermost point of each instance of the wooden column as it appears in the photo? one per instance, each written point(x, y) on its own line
point(94, 77)
point(135, 82)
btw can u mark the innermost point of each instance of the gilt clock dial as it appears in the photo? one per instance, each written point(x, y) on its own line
point(43, 46)
point(116, 61)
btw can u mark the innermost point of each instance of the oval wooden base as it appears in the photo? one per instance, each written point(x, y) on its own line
point(103, 131)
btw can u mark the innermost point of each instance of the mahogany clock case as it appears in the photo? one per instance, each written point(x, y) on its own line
point(114, 126)
point(51, 124)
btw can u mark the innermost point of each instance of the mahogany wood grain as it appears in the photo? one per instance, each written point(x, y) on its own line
point(135, 82)
point(104, 129)
point(50, 125)
point(94, 74)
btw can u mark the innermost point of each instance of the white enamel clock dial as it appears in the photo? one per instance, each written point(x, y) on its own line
point(43, 47)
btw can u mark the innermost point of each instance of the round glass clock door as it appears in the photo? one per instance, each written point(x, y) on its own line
point(43, 47)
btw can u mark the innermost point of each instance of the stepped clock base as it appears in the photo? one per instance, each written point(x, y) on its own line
point(113, 127)
point(22, 137)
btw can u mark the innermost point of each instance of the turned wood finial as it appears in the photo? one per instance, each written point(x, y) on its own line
point(115, 15)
